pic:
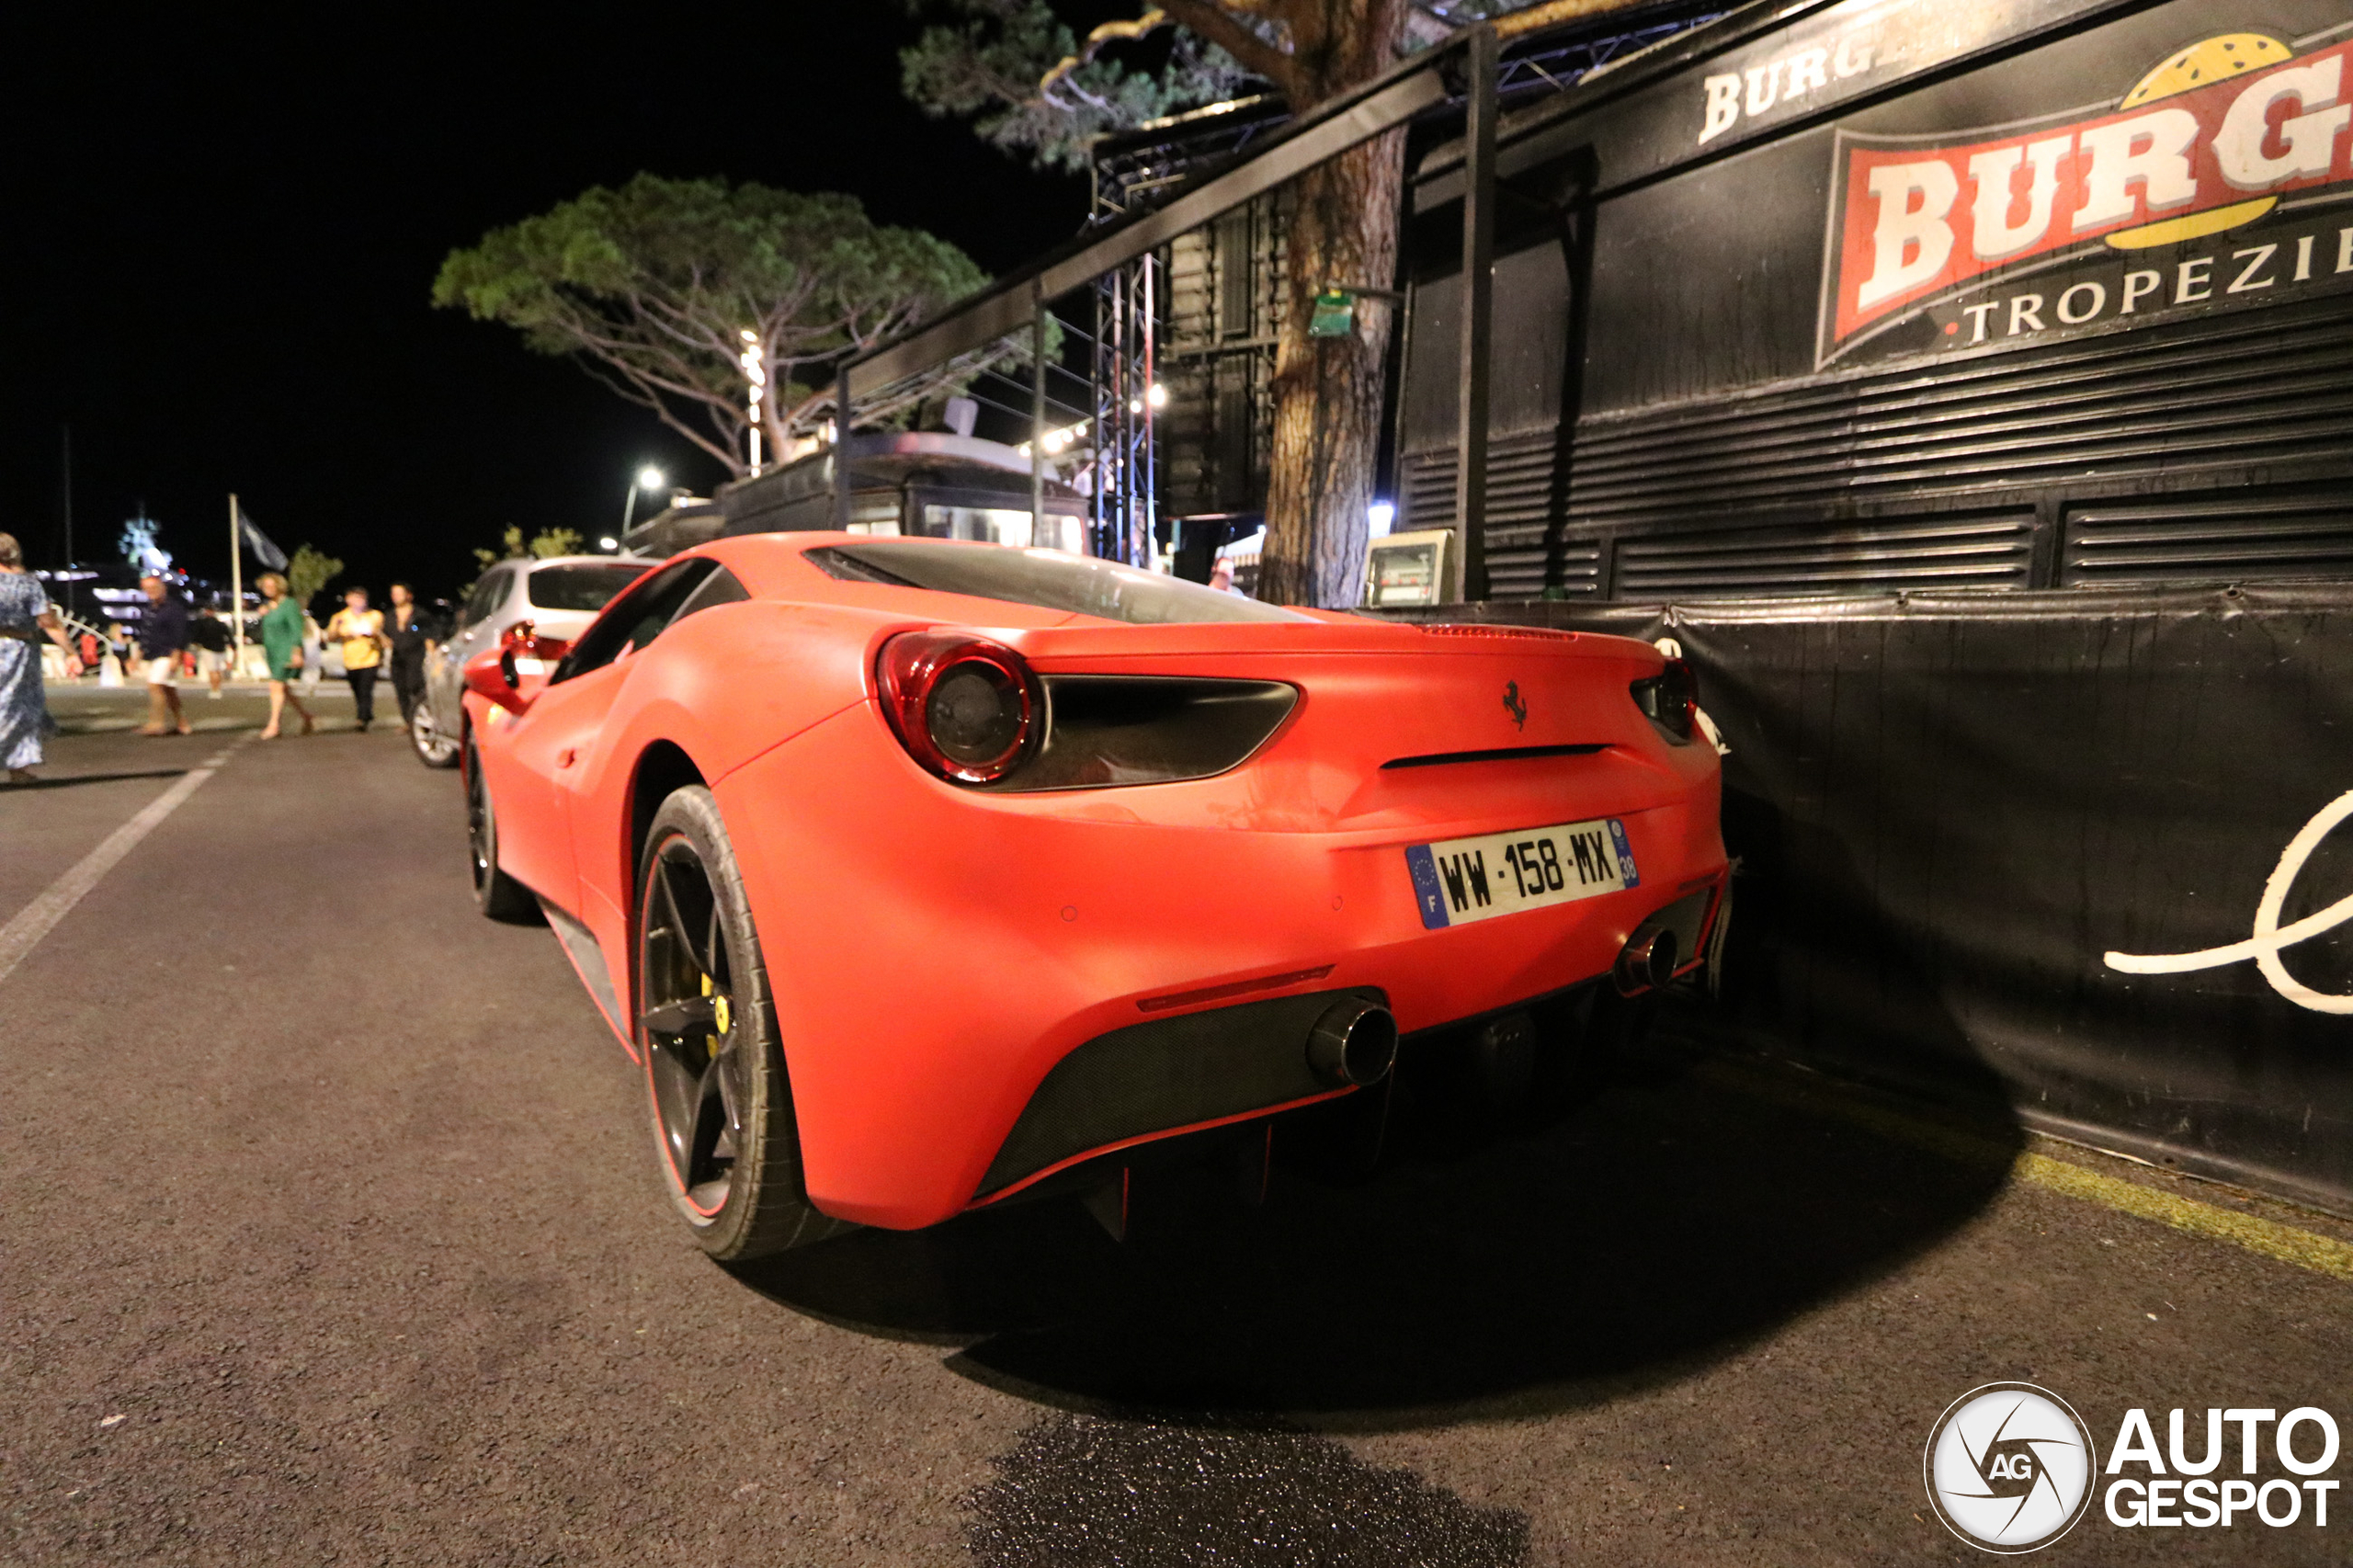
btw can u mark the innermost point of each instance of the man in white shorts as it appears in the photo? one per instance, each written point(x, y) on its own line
point(207, 635)
point(163, 635)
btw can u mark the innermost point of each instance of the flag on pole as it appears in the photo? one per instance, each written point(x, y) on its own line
point(268, 555)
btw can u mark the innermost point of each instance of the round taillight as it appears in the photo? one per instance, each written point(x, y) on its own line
point(1671, 699)
point(964, 707)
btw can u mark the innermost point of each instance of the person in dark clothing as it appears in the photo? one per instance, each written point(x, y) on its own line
point(208, 635)
point(163, 637)
point(405, 628)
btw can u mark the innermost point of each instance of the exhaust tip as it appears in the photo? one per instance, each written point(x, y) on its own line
point(1353, 1044)
point(1647, 962)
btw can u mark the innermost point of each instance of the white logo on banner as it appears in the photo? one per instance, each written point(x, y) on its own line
point(2009, 1468)
point(2270, 938)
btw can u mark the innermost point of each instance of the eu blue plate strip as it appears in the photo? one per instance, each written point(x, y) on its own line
point(1426, 887)
point(1634, 879)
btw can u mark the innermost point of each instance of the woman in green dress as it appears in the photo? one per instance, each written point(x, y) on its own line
point(281, 641)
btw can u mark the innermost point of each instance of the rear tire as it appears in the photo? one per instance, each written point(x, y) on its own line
point(720, 1101)
point(499, 896)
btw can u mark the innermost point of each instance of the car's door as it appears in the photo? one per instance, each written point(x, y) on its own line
point(598, 790)
point(445, 676)
point(548, 741)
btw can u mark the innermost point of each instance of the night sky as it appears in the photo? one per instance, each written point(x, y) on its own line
point(222, 234)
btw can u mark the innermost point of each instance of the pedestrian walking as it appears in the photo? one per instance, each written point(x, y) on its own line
point(25, 617)
point(361, 631)
point(281, 628)
point(404, 630)
point(314, 646)
point(163, 636)
point(209, 636)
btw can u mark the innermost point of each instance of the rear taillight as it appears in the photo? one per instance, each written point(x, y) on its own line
point(1670, 700)
point(965, 708)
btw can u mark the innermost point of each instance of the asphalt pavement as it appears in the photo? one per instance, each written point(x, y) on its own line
point(330, 1233)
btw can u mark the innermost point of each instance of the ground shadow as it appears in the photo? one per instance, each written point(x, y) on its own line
point(1669, 1219)
point(68, 783)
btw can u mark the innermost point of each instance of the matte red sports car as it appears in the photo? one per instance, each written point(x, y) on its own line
point(919, 873)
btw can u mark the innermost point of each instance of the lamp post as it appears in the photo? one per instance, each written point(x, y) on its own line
point(648, 478)
point(753, 360)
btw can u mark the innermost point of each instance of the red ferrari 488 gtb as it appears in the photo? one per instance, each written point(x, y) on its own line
point(920, 875)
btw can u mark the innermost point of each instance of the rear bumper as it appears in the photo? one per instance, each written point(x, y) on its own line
point(935, 954)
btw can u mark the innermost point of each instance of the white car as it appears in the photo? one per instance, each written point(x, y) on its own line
point(558, 596)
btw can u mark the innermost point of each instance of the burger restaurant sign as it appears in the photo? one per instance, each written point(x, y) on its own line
point(2222, 172)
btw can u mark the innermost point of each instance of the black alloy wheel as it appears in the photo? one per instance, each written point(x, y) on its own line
point(434, 746)
point(715, 1077)
point(497, 894)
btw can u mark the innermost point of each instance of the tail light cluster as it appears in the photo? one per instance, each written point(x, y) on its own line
point(973, 712)
point(1671, 700)
point(967, 709)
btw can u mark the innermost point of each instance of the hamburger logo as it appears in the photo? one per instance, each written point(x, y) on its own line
point(2109, 207)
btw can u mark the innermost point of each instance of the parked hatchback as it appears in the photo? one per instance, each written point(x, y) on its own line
point(559, 595)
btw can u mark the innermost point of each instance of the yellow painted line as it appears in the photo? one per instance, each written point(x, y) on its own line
point(2267, 1238)
point(2270, 1238)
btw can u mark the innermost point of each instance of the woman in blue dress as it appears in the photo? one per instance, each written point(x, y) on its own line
point(25, 619)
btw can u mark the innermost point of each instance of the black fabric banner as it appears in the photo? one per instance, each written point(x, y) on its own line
point(1952, 811)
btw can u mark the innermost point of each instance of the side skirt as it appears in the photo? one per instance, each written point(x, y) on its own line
point(588, 961)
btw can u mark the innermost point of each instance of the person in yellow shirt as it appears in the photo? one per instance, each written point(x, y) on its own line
point(361, 632)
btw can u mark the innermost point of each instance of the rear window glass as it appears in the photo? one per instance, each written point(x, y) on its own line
point(585, 587)
point(1044, 579)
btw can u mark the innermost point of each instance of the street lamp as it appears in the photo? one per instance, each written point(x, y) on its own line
point(649, 479)
point(754, 359)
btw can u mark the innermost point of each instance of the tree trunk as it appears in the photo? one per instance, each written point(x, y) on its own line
point(1328, 390)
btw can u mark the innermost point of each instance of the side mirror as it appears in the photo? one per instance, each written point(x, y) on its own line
point(533, 655)
point(494, 678)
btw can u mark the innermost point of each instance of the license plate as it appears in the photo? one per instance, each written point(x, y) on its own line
point(1464, 879)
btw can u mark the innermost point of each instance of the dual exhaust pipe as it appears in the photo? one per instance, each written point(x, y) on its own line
point(1354, 1044)
point(1647, 962)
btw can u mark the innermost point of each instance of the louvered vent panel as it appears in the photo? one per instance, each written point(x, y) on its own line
point(2238, 535)
point(1578, 570)
point(1429, 491)
point(2229, 391)
point(1980, 552)
point(1522, 561)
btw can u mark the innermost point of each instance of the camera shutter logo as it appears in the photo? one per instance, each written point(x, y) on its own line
point(2009, 1466)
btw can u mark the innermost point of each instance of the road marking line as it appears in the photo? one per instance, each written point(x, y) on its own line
point(36, 920)
point(2322, 1255)
point(2267, 1238)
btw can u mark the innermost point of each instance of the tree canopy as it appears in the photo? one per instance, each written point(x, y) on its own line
point(987, 61)
point(1029, 82)
point(308, 572)
point(661, 287)
point(544, 545)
